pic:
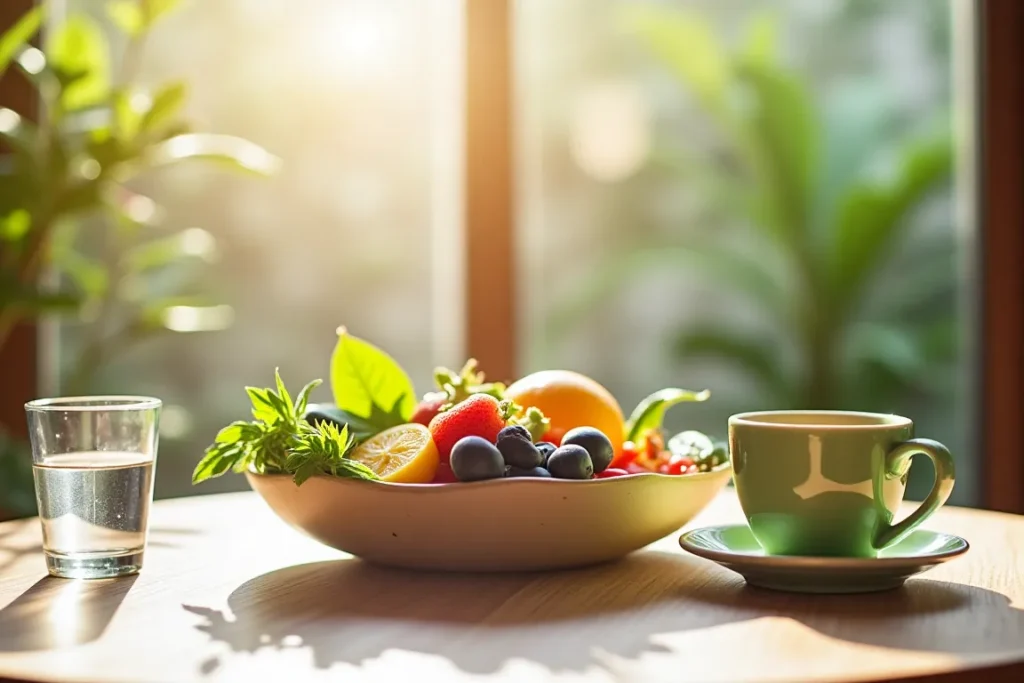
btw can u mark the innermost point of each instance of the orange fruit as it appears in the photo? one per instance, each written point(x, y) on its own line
point(569, 400)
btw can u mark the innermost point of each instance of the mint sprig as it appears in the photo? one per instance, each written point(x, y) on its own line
point(279, 441)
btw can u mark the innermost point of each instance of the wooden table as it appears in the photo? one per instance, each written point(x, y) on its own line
point(230, 593)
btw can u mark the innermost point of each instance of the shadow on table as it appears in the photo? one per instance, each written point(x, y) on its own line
point(55, 613)
point(350, 611)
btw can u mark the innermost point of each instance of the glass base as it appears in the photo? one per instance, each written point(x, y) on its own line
point(93, 565)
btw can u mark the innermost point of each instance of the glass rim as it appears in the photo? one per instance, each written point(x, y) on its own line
point(82, 404)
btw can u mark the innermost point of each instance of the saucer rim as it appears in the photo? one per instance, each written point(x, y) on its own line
point(817, 561)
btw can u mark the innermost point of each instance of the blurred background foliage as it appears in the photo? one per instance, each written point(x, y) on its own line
point(758, 198)
point(78, 239)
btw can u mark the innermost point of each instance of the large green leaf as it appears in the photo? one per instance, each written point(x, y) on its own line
point(872, 215)
point(17, 36)
point(686, 43)
point(754, 357)
point(164, 251)
point(166, 104)
point(782, 140)
point(729, 268)
point(237, 153)
point(854, 121)
point(135, 17)
point(761, 37)
point(78, 53)
point(366, 381)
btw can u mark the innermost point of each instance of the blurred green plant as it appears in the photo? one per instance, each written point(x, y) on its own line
point(815, 244)
point(76, 238)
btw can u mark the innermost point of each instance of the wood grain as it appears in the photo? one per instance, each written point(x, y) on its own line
point(230, 593)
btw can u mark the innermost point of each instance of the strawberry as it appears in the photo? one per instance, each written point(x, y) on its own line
point(479, 415)
point(428, 408)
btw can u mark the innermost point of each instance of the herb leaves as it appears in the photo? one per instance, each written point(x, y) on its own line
point(279, 441)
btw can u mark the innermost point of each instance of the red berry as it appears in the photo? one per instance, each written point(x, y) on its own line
point(626, 456)
point(428, 408)
point(611, 472)
point(663, 468)
point(634, 468)
point(479, 415)
point(676, 467)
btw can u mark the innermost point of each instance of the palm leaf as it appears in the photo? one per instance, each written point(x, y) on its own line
point(735, 272)
point(872, 215)
point(752, 356)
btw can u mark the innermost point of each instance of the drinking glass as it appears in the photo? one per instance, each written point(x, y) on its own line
point(92, 461)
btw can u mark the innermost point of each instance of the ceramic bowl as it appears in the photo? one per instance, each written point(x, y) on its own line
point(497, 525)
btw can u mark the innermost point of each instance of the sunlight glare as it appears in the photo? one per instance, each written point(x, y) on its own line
point(198, 318)
point(65, 614)
point(358, 38)
point(610, 131)
point(32, 60)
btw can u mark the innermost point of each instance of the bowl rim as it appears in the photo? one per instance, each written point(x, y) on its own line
point(515, 481)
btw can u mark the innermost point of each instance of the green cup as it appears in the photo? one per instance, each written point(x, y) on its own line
point(828, 483)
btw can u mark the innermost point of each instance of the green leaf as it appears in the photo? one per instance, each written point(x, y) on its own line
point(367, 382)
point(135, 17)
point(262, 408)
point(29, 300)
point(17, 36)
point(127, 115)
point(78, 52)
point(871, 216)
point(783, 136)
point(15, 225)
point(88, 275)
point(303, 399)
point(752, 356)
point(231, 433)
point(218, 460)
point(166, 104)
point(167, 251)
point(761, 37)
point(729, 267)
point(650, 412)
point(686, 43)
point(127, 16)
point(237, 153)
point(286, 399)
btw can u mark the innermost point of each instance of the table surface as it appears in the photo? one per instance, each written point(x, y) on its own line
point(229, 592)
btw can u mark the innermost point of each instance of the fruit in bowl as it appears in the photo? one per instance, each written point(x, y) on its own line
point(530, 476)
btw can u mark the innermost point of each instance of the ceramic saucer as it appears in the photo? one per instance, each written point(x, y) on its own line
point(734, 547)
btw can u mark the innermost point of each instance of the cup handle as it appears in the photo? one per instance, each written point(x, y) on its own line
point(897, 464)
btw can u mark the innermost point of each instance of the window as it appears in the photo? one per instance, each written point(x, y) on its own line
point(694, 185)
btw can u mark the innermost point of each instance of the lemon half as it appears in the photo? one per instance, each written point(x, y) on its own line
point(405, 454)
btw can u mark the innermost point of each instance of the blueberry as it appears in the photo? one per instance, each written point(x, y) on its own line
point(596, 443)
point(474, 458)
point(520, 453)
point(515, 431)
point(539, 472)
point(546, 448)
point(571, 462)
